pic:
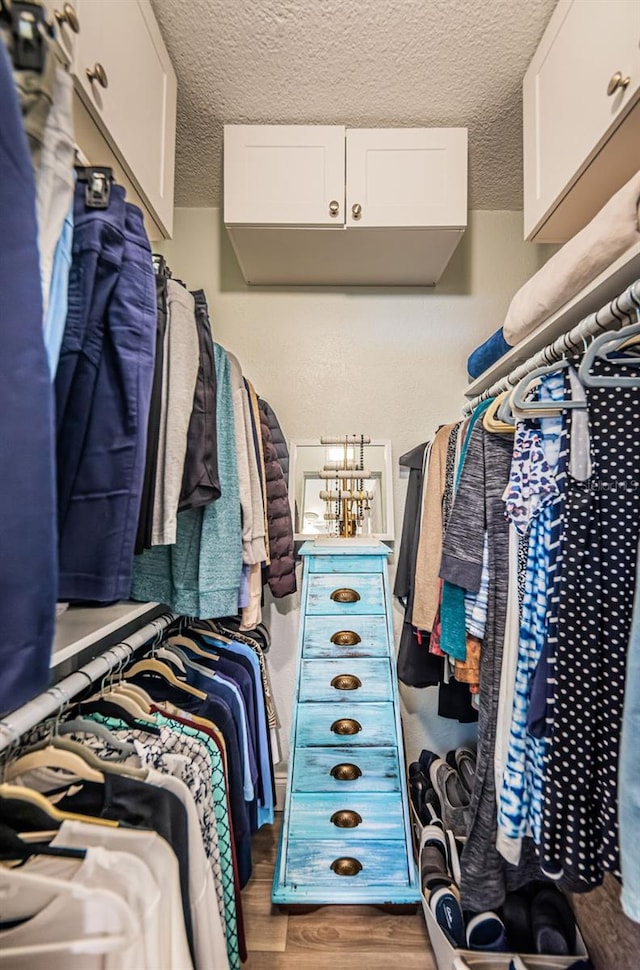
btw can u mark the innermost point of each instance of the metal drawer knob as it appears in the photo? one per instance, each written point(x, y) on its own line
point(346, 638)
point(346, 682)
point(346, 819)
point(356, 209)
point(98, 74)
point(68, 16)
point(346, 772)
point(346, 866)
point(346, 725)
point(345, 595)
point(617, 81)
point(334, 207)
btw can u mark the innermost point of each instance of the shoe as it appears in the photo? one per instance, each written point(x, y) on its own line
point(486, 932)
point(516, 914)
point(445, 906)
point(454, 798)
point(426, 759)
point(434, 863)
point(419, 783)
point(454, 848)
point(552, 923)
point(432, 808)
point(463, 760)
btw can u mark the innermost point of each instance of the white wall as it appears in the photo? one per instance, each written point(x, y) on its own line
point(384, 362)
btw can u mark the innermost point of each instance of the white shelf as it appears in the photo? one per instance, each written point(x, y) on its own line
point(604, 288)
point(80, 627)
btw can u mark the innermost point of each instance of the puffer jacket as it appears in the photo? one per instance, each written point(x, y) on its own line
point(281, 573)
point(278, 438)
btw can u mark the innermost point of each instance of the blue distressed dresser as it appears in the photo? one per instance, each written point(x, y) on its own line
point(345, 834)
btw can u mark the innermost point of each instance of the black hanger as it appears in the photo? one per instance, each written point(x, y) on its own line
point(13, 847)
point(98, 180)
point(28, 23)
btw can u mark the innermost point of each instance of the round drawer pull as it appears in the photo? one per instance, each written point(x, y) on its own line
point(346, 638)
point(346, 725)
point(346, 819)
point(68, 16)
point(346, 866)
point(346, 682)
point(346, 772)
point(345, 595)
point(98, 74)
point(617, 81)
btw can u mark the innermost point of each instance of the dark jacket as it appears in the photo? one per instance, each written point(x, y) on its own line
point(281, 573)
point(278, 439)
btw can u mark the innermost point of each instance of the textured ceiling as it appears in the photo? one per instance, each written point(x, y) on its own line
point(360, 63)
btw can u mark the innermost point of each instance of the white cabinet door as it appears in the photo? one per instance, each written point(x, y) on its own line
point(136, 110)
point(568, 113)
point(404, 177)
point(284, 175)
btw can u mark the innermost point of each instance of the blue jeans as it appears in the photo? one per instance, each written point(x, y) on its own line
point(628, 771)
point(103, 386)
point(27, 497)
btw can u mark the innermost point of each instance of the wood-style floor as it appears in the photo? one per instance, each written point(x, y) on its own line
point(330, 938)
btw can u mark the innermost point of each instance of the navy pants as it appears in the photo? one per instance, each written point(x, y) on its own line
point(27, 497)
point(103, 386)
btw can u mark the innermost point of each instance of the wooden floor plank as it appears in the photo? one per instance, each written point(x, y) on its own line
point(336, 925)
point(342, 960)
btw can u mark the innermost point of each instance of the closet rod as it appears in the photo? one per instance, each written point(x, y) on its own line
point(610, 317)
point(52, 701)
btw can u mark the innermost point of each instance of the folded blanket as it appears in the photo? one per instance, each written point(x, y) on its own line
point(487, 354)
point(609, 234)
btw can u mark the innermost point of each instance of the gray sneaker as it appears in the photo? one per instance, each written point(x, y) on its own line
point(454, 798)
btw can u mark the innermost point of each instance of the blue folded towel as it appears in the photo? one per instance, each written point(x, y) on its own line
point(487, 354)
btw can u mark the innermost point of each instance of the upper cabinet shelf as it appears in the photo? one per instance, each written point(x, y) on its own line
point(283, 184)
point(581, 115)
point(125, 104)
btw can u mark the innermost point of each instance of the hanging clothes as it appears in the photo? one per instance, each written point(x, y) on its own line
point(27, 513)
point(281, 573)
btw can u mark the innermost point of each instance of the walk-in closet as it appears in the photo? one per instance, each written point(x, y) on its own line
point(320, 492)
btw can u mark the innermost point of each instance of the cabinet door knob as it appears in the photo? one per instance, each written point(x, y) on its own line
point(346, 772)
point(356, 210)
point(346, 682)
point(346, 725)
point(346, 866)
point(346, 819)
point(334, 207)
point(68, 16)
point(98, 74)
point(345, 595)
point(346, 638)
point(617, 81)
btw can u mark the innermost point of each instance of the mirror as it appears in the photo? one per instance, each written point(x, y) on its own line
point(309, 457)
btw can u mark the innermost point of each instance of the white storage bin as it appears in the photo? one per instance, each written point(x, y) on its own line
point(448, 957)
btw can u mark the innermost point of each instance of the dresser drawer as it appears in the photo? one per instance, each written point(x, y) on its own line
point(347, 564)
point(345, 594)
point(345, 770)
point(345, 681)
point(352, 725)
point(357, 636)
point(377, 863)
point(348, 816)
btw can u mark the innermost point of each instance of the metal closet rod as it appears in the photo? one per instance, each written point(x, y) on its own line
point(610, 317)
point(53, 701)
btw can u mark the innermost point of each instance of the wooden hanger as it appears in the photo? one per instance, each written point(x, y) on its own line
point(193, 645)
point(50, 757)
point(164, 671)
point(84, 725)
point(490, 420)
point(35, 799)
point(208, 628)
point(127, 703)
point(138, 696)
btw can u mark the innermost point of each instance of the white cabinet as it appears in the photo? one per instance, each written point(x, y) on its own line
point(126, 89)
point(284, 174)
point(406, 177)
point(306, 204)
point(581, 115)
